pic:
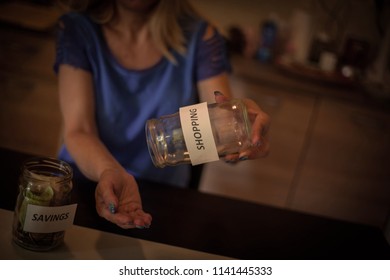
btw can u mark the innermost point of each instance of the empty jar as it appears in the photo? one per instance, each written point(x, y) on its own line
point(199, 133)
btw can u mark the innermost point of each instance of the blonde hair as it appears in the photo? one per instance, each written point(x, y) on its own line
point(164, 24)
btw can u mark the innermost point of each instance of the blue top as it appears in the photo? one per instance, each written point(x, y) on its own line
point(126, 99)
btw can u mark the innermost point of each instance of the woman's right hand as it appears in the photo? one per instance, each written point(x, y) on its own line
point(118, 200)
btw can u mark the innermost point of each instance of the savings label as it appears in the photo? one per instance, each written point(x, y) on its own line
point(45, 219)
point(198, 135)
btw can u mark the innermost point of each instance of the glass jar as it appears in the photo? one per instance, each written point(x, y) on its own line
point(199, 133)
point(41, 210)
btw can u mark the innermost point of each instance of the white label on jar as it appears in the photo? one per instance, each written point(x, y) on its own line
point(46, 219)
point(198, 135)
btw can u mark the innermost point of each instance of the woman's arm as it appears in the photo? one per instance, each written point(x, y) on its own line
point(80, 133)
point(219, 84)
point(117, 196)
point(207, 87)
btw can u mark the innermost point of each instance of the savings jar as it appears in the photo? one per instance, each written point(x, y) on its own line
point(43, 210)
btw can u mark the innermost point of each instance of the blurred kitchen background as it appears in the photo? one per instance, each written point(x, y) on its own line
point(319, 68)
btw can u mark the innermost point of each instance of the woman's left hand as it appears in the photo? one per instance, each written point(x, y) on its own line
point(260, 126)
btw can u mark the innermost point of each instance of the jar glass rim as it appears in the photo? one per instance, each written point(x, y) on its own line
point(42, 168)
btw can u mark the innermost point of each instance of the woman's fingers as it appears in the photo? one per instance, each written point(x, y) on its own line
point(126, 218)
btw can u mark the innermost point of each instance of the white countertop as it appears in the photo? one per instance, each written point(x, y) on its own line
point(88, 244)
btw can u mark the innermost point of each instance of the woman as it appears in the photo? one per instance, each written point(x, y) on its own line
point(120, 63)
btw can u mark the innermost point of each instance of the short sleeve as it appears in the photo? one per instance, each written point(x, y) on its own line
point(212, 58)
point(71, 45)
